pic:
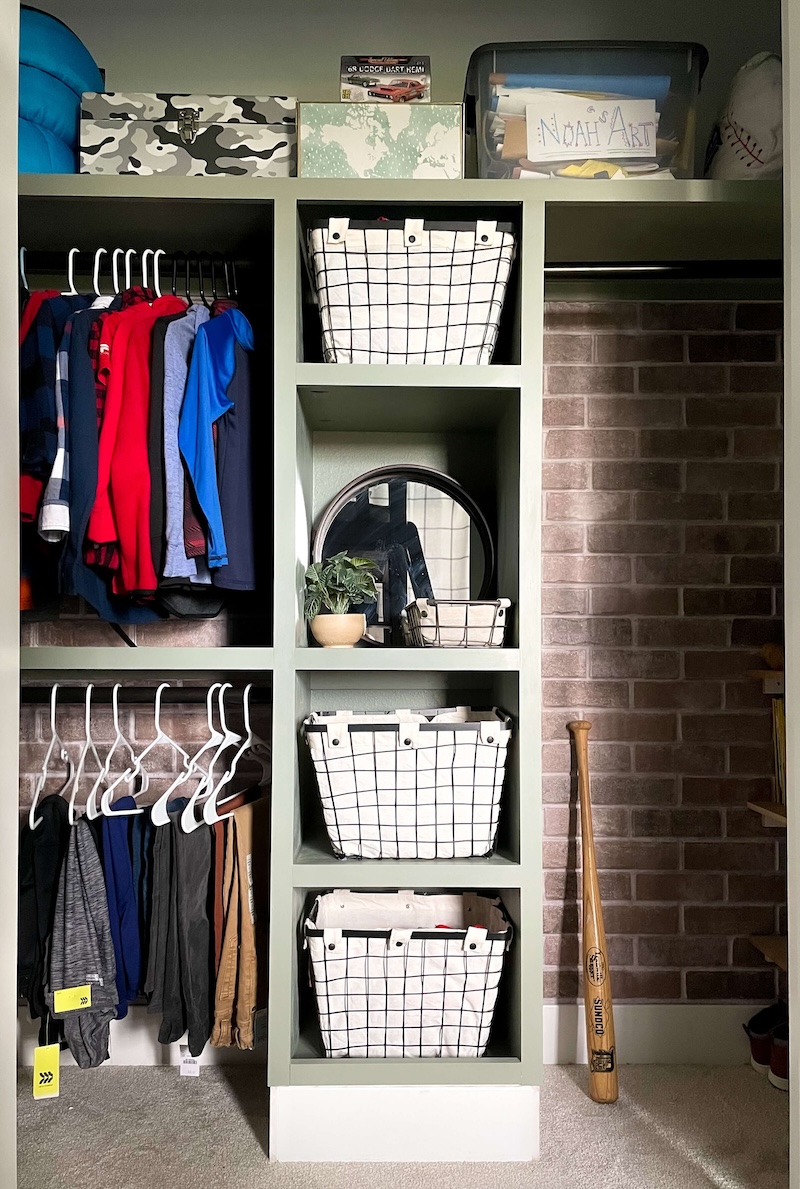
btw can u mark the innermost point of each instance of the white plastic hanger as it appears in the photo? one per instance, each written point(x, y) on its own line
point(159, 813)
point(156, 271)
point(92, 808)
point(88, 746)
point(23, 276)
point(98, 256)
point(131, 252)
point(145, 274)
point(56, 745)
point(252, 744)
point(115, 257)
point(136, 770)
point(189, 822)
point(72, 291)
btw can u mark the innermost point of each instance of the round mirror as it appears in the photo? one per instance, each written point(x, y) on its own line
point(425, 534)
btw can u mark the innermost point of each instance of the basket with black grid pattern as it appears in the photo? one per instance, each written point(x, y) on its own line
point(422, 784)
point(398, 974)
point(410, 292)
point(455, 623)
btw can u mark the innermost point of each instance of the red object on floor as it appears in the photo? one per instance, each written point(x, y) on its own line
point(779, 1059)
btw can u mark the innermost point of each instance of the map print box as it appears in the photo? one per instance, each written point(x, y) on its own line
point(381, 140)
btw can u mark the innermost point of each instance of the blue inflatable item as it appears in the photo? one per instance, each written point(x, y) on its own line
point(55, 69)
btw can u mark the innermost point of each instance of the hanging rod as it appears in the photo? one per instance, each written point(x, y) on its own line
point(668, 270)
point(35, 695)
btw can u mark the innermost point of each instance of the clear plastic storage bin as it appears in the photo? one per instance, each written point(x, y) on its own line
point(584, 108)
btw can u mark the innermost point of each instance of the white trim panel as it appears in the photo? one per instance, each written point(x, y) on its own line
point(404, 1123)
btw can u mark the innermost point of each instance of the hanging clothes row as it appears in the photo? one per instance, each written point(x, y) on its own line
point(135, 430)
point(164, 901)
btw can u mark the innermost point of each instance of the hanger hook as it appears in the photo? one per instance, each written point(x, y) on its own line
point(23, 276)
point(145, 275)
point(223, 689)
point(71, 291)
point(156, 270)
point(53, 698)
point(115, 706)
point(157, 711)
point(246, 707)
point(98, 256)
point(128, 267)
point(88, 711)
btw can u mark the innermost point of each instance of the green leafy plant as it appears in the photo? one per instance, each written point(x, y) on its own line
point(338, 584)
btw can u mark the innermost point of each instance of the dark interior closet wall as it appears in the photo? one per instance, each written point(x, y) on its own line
point(662, 578)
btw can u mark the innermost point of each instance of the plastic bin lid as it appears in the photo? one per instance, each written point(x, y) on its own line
point(471, 84)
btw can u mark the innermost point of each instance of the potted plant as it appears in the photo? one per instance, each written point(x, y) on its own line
point(336, 585)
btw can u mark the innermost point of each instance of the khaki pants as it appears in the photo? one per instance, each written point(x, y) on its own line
point(237, 990)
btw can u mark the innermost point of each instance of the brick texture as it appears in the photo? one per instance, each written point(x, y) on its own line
point(663, 453)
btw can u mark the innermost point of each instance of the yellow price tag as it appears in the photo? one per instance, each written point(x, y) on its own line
point(45, 1071)
point(72, 999)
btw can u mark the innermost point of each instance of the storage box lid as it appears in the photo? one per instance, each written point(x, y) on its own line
point(210, 109)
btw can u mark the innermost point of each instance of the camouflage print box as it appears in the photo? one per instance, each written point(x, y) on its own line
point(190, 135)
point(380, 140)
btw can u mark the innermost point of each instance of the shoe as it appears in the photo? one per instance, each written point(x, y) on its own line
point(779, 1063)
point(759, 1030)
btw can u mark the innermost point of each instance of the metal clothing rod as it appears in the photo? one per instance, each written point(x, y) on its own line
point(133, 695)
point(690, 269)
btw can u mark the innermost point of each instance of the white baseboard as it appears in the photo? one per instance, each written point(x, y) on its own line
point(134, 1041)
point(404, 1123)
point(654, 1033)
point(646, 1033)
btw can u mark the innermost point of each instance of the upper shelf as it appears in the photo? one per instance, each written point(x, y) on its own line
point(559, 190)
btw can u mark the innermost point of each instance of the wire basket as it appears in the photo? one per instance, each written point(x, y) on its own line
point(456, 623)
point(410, 784)
point(397, 974)
point(410, 292)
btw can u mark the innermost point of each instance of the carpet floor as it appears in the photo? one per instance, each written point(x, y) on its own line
point(674, 1127)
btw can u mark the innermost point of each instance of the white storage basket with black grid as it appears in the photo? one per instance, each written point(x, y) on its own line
point(398, 974)
point(410, 784)
point(410, 291)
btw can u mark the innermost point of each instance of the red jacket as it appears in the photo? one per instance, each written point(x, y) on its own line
point(121, 509)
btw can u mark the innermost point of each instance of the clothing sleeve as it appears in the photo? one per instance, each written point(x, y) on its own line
point(54, 512)
point(203, 403)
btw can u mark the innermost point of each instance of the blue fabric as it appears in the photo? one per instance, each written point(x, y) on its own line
point(205, 401)
point(234, 475)
point(50, 104)
point(122, 908)
point(40, 151)
point(47, 43)
point(76, 578)
point(55, 69)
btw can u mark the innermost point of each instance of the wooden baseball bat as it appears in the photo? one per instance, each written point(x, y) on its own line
point(596, 974)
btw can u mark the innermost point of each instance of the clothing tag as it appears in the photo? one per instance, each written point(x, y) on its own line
point(251, 904)
point(72, 999)
point(45, 1071)
point(190, 1066)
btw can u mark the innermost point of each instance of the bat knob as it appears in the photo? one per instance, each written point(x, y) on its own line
point(580, 725)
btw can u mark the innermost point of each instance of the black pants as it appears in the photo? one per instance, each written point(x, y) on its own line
point(180, 960)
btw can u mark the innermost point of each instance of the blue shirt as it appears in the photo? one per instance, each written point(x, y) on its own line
point(205, 401)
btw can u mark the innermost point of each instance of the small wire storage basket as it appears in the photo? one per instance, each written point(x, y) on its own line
point(456, 623)
point(399, 974)
point(410, 292)
point(410, 784)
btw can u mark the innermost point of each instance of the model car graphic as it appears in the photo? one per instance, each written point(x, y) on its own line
point(399, 91)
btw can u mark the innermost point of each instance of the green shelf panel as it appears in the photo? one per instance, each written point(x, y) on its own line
point(322, 376)
point(407, 660)
point(448, 1071)
point(79, 661)
point(314, 867)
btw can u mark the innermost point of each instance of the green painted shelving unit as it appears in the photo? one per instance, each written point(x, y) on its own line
point(332, 422)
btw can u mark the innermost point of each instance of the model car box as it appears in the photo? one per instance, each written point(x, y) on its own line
point(380, 140)
point(386, 80)
point(189, 135)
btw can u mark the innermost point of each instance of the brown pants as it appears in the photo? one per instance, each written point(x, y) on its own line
point(237, 991)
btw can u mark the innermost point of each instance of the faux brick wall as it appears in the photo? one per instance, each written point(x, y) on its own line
point(662, 573)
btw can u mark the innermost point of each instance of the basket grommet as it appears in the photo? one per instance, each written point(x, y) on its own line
point(407, 742)
point(331, 945)
point(490, 739)
point(484, 239)
point(334, 742)
point(412, 239)
point(472, 945)
point(399, 944)
point(336, 235)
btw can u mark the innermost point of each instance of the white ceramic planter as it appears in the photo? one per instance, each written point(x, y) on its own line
point(338, 631)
